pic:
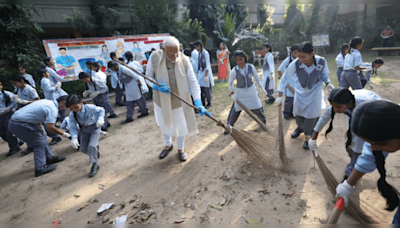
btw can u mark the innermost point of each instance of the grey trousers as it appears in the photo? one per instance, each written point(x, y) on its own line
point(130, 105)
point(338, 73)
point(118, 95)
point(350, 166)
point(350, 78)
point(270, 92)
point(61, 115)
point(102, 100)
point(206, 94)
point(34, 136)
point(288, 107)
point(234, 115)
point(89, 141)
point(5, 132)
point(307, 125)
point(50, 134)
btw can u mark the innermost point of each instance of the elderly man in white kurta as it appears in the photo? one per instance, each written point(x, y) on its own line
point(172, 69)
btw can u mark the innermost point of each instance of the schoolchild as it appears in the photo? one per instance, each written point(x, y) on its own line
point(352, 63)
point(268, 79)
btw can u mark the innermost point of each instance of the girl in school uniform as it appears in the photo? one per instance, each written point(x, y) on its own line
point(116, 84)
point(309, 72)
point(378, 123)
point(54, 79)
point(371, 68)
point(344, 101)
point(52, 91)
point(98, 91)
point(89, 118)
point(204, 74)
point(133, 91)
point(352, 63)
point(246, 91)
point(26, 94)
point(21, 70)
point(6, 111)
point(289, 90)
point(340, 59)
point(268, 79)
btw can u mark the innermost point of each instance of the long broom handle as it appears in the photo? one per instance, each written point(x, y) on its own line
point(176, 95)
point(337, 210)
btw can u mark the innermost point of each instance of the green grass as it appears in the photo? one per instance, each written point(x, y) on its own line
point(30, 187)
point(16, 216)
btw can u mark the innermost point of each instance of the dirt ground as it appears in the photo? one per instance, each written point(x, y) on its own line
point(132, 173)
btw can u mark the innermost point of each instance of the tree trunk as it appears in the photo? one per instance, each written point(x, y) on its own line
point(313, 27)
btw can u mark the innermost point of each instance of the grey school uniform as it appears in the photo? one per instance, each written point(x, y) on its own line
point(25, 125)
point(56, 93)
point(357, 143)
point(86, 119)
point(246, 92)
point(5, 133)
point(340, 63)
point(349, 76)
point(102, 99)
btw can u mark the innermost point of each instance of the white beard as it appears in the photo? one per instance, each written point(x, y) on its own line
point(171, 61)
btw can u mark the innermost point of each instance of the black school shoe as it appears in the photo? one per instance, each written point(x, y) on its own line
point(55, 159)
point(26, 151)
point(182, 156)
point(112, 116)
point(128, 120)
point(270, 101)
point(296, 133)
point(143, 115)
point(54, 141)
point(164, 153)
point(20, 142)
point(93, 171)
point(12, 151)
point(44, 169)
point(104, 128)
point(305, 145)
point(286, 115)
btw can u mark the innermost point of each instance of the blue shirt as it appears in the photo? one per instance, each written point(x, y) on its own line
point(28, 94)
point(38, 112)
point(88, 115)
point(65, 61)
point(366, 161)
point(97, 85)
point(29, 78)
point(339, 60)
point(11, 105)
point(284, 65)
point(50, 91)
point(54, 77)
point(352, 60)
point(115, 80)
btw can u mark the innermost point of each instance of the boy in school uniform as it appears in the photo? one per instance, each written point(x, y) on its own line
point(25, 124)
point(132, 89)
point(98, 90)
point(97, 73)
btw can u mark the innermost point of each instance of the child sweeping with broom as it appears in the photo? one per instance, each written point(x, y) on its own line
point(309, 71)
point(377, 122)
point(344, 101)
point(246, 91)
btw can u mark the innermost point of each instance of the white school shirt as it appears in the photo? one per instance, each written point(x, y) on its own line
point(284, 65)
point(202, 73)
point(340, 60)
point(352, 60)
point(28, 94)
point(269, 58)
point(307, 103)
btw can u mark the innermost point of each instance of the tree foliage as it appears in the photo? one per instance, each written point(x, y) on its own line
point(18, 35)
point(314, 25)
point(293, 22)
point(238, 10)
point(79, 21)
point(209, 15)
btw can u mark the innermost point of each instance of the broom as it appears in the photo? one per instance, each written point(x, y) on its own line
point(332, 183)
point(337, 210)
point(251, 143)
point(282, 150)
point(253, 116)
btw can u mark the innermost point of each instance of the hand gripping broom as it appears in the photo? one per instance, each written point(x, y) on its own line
point(255, 145)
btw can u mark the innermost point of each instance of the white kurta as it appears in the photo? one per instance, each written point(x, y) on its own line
point(179, 125)
point(248, 96)
point(270, 73)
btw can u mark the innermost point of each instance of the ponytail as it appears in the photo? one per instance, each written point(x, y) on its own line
point(268, 45)
point(129, 57)
point(330, 125)
point(354, 42)
point(386, 190)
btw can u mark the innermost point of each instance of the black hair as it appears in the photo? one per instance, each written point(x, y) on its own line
point(268, 45)
point(83, 75)
point(129, 57)
point(41, 72)
point(46, 60)
point(343, 48)
point(241, 54)
point(21, 66)
point(187, 52)
point(62, 98)
point(308, 48)
point(96, 64)
point(376, 61)
point(191, 45)
point(18, 77)
point(354, 42)
point(153, 49)
point(104, 46)
point(112, 64)
point(369, 117)
point(74, 99)
point(89, 62)
point(294, 47)
point(62, 48)
point(341, 95)
point(197, 43)
point(7, 98)
point(112, 55)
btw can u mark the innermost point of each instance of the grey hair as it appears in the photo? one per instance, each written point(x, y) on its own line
point(171, 41)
